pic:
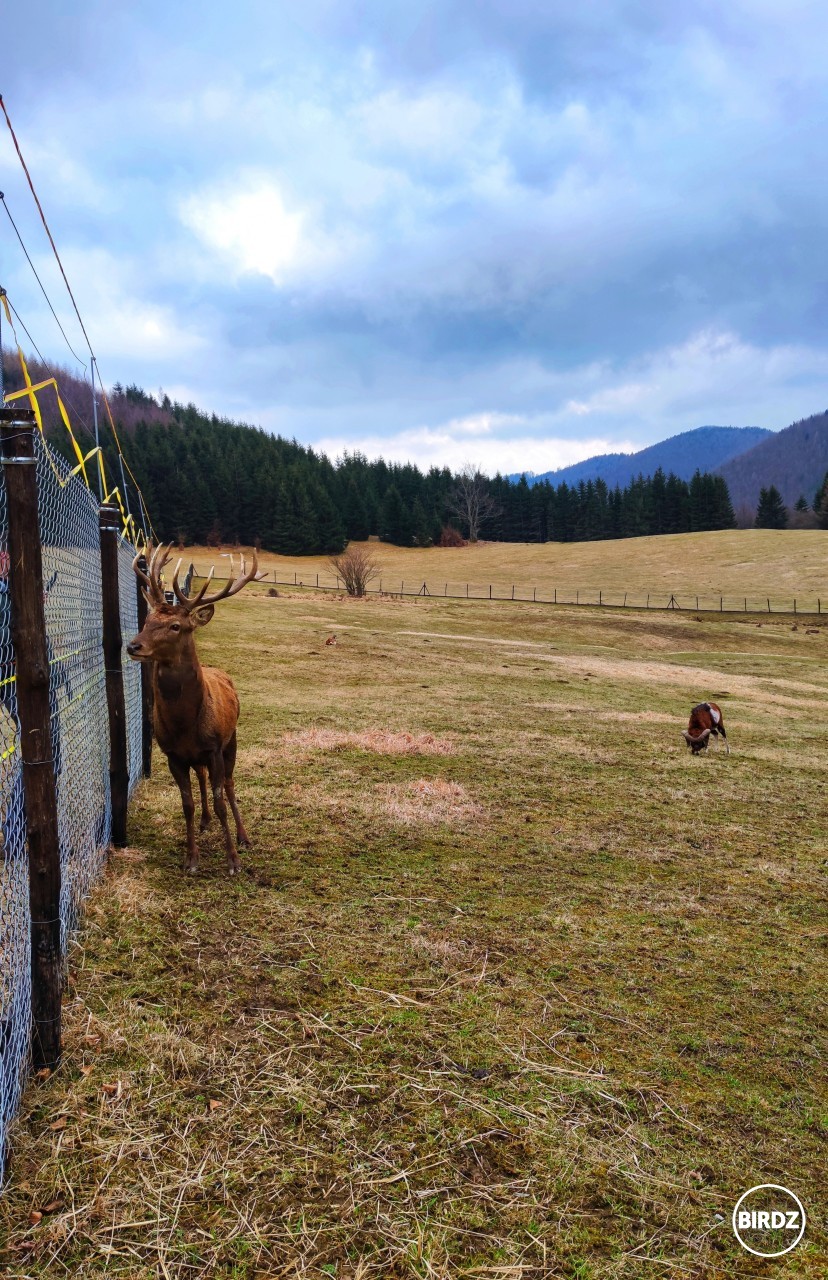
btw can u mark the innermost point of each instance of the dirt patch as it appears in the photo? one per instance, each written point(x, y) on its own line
point(429, 800)
point(379, 741)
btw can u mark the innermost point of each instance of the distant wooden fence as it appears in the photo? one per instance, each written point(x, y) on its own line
point(588, 597)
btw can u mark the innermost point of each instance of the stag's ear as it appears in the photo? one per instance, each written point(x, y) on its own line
point(202, 615)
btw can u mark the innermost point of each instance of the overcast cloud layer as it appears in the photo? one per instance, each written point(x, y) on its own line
point(468, 229)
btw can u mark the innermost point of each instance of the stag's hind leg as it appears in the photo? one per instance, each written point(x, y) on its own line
point(181, 772)
point(201, 770)
point(242, 837)
point(217, 781)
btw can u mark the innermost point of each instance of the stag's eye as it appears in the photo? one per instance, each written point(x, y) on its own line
point(175, 626)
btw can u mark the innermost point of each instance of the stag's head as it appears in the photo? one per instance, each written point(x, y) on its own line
point(168, 633)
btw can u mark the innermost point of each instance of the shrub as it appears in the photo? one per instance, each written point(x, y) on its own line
point(451, 537)
point(357, 568)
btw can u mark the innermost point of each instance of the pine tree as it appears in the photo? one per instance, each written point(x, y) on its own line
point(395, 519)
point(421, 525)
point(355, 513)
point(330, 527)
point(771, 512)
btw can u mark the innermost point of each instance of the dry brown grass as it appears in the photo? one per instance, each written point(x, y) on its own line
point(379, 741)
point(431, 801)
point(555, 1040)
point(734, 562)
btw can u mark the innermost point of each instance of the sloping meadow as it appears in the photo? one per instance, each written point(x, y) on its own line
point(511, 983)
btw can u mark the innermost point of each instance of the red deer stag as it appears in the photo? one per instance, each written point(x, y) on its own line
point(705, 721)
point(196, 708)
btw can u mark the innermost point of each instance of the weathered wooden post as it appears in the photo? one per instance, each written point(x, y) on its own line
point(28, 630)
point(112, 641)
point(146, 681)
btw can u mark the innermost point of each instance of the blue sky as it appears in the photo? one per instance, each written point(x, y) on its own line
point(469, 230)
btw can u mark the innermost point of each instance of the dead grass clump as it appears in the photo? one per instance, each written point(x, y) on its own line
point(431, 800)
point(382, 742)
point(449, 953)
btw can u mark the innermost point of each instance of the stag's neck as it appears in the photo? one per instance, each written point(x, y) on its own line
point(180, 684)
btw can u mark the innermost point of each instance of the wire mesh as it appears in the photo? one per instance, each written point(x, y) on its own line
point(15, 968)
point(127, 587)
point(70, 542)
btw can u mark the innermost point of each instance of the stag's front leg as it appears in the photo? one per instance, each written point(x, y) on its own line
point(181, 772)
point(220, 807)
point(201, 770)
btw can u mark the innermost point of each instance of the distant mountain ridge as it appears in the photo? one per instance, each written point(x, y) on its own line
point(795, 460)
point(702, 449)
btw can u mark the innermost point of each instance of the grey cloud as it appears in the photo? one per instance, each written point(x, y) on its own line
point(497, 182)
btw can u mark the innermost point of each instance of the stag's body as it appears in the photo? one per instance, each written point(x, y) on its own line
point(706, 721)
point(196, 709)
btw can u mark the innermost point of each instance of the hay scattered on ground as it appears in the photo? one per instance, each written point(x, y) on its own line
point(380, 741)
point(430, 800)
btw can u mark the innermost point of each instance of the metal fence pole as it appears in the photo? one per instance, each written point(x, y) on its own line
point(146, 682)
point(28, 630)
point(112, 641)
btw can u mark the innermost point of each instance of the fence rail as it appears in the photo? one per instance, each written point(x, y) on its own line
point(588, 597)
point(64, 768)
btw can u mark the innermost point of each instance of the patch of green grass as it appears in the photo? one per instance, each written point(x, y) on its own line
point(560, 1038)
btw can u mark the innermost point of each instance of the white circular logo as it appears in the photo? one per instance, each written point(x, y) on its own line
point(769, 1220)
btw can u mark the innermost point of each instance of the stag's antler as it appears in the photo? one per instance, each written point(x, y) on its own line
point(229, 589)
point(160, 557)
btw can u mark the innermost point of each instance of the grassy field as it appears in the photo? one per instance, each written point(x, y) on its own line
point(511, 985)
point(757, 563)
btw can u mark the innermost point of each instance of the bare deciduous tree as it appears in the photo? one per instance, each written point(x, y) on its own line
point(471, 501)
point(357, 568)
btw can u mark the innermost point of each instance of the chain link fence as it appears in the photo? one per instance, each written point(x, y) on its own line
point(132, 670)
point(69, 534)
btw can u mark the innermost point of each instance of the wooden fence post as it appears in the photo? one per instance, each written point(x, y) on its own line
point(146, 683)
point(28, 629)
point(109, 522)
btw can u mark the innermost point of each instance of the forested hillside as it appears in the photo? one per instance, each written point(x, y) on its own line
point(794, 460)
point(703, 449)
point(206, 479)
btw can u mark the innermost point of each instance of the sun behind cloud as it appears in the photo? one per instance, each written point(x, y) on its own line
point(250, 226)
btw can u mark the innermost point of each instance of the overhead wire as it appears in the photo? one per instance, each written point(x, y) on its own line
point(94, 363)
point(50, 370)
point(45, 223)
point(39, 281)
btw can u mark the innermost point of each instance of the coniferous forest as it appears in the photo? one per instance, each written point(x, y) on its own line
point(208, 480)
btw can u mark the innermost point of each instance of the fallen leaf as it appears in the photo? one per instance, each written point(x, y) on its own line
point(87, 1071)
point(215, 1105)
point(113, 1090)
point(60, 1123)
point(35, 1217)
point(52, 1206)
point(43, 1073)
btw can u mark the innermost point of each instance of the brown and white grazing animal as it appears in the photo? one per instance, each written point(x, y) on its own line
point(331, 640)
point(705, 721)
point(196, 708)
